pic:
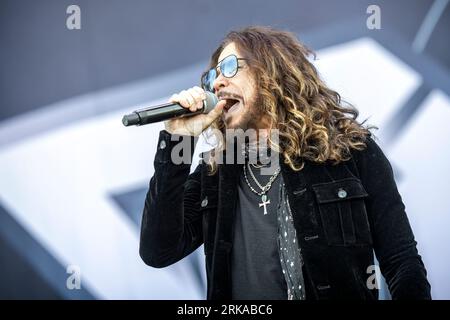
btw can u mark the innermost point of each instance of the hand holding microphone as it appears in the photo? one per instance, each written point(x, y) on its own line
point(189, 112)
point(193, 99)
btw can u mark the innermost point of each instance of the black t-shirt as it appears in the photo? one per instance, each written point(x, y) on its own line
point(255, 267)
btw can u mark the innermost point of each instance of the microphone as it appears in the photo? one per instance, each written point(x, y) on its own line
point(166, 111)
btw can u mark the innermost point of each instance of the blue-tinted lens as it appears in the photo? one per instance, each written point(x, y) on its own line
point(229, 66)
point(208, 80)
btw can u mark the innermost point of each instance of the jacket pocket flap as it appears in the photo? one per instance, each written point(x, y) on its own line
point(339, 190)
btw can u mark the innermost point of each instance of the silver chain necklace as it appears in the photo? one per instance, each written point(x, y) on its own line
point(264, 189)
point(258, 166)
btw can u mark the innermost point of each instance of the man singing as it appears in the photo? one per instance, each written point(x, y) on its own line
point(308, 226)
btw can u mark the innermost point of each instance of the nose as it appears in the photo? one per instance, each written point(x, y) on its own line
point(220, 82)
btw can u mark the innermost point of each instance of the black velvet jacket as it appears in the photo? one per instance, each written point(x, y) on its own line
point(337, 231)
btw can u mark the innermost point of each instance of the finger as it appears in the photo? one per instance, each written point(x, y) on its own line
point(183, 100)
point(195, 94)
point(187, 96)
point(200, 91)
point(217, 111)
point(174, 98)
point(190, 98)
point(198, 99)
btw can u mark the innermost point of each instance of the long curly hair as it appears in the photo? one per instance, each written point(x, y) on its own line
point(313, 122)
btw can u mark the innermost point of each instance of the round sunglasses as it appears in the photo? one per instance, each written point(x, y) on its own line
point(228, 67)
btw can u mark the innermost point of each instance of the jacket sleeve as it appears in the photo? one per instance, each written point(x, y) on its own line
point(171, 222)
point(393, 239)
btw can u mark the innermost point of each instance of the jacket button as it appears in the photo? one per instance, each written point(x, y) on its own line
point(204, 202)
point(162, 144)
point(342, 193)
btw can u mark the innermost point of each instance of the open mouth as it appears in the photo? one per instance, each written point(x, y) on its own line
point(231, 105)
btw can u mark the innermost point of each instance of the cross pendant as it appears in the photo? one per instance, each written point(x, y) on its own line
point(264, 203)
